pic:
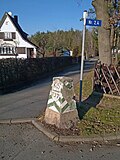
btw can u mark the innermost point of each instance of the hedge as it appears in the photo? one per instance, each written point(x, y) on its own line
point(15, 73)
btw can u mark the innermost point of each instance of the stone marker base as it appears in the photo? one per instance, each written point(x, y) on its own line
point(61, 120)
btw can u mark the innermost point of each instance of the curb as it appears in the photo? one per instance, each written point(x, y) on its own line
point(107, 95)
point(49, 134)
point(15, 121)
point(65, 139)
point(56, 137)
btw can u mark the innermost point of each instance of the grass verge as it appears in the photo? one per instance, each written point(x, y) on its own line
point(99, 115)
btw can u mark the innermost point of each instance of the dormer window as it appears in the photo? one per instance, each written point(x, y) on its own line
point(8, 35)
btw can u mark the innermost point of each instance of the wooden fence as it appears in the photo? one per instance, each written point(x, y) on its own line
point(107, 79)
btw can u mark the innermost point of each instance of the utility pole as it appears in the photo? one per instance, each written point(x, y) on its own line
point(85, 14)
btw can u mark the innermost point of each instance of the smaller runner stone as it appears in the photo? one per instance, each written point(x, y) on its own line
point(61, 108)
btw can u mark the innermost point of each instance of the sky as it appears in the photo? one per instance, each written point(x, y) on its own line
point(46, 15)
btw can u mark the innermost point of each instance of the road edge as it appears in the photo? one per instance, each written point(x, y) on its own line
point(55, 137)
point(65, 139)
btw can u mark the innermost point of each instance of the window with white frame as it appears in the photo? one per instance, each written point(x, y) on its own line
point(8, 35)
point(7, 50)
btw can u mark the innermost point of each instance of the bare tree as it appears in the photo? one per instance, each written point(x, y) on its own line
point(42, 46)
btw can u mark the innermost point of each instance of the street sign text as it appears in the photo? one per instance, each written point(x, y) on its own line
point(93, 22)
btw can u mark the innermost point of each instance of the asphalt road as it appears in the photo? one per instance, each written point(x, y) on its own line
point(25, 142)
point(27, 103)
point(31, 102)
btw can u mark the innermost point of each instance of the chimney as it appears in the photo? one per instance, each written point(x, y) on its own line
point(16, 18)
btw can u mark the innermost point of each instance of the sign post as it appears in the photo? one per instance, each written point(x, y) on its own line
point(85, 14)
point(89, 22)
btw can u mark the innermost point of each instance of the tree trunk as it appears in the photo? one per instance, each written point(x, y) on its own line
point(104, 43)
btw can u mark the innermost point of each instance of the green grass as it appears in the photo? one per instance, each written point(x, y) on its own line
point(100, 121)
point(99, 115)
point(86, 86)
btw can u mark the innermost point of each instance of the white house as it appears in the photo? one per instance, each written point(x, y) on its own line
point(13, 40)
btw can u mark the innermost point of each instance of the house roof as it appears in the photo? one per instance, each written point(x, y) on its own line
point(17, 26)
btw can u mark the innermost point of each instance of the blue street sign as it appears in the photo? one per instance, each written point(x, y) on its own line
point(93, 22)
